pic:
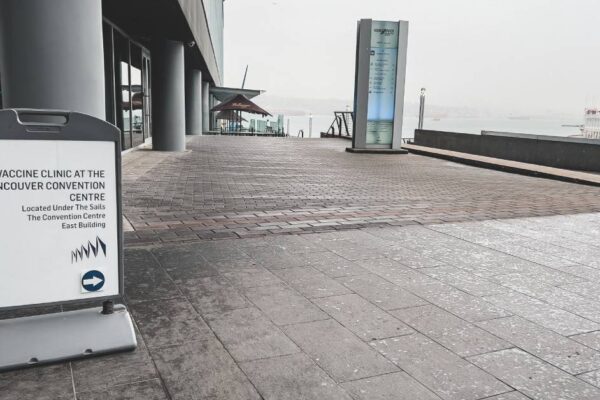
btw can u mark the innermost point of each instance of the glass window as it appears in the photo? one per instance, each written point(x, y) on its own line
point(109, 73)
point(123, 115)
point(147, 90)
point(137, 98)
point(125, 106)
point(127, 76)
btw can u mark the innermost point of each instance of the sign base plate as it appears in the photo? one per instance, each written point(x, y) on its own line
point(64, 336)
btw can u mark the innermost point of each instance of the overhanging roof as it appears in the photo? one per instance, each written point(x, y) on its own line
point(224, 93)
point(179, 20)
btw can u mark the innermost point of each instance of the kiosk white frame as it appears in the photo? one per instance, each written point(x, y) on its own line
point(363, 84)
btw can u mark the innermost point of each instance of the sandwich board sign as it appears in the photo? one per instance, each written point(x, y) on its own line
point(61, 227)
point(379, 86)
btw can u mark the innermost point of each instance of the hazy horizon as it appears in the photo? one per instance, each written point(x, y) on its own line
point(528, 57)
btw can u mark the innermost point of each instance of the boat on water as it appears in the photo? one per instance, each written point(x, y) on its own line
point(591, 123)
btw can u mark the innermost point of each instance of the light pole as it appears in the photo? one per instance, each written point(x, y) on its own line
point(422, 108)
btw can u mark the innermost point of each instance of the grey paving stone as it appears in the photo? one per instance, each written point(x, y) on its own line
point(533, 377)
point(147, 390)
point(234, 265)
point(326, 239)
point(538, 257)
point(218, 251)
point(213, 294)
point(410, 258)
point(139, 259)
point(169, 322)
point(388, 268)
point(184, 262)
point(379, 291)
point(148, 283)
point(51, 382)
point(591, 339)
point(442, 371)
point(450, 331)
point(252, 277)
point(395, 386)
point(556, 349)
point(498, 240)
point(514, 395)
point(592, 377)
point(363, 318)
point(292, 377)
point(486, 262)
point(338, 351)
point(105, 372)
point(560, 321)
point(310, 282)
point(333, 265)
point(249, 243)
point(591, 290)
point(582, 271)
point(554, 296)
point(278, 259)
point(464, 305)
point(202, 370)
point(536, 282)
point(248, 335)
point(296, 245)
point(356, 252)
point(283, 305)
point(464, 280)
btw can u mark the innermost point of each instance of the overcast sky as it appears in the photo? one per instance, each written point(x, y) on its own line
point(517, 56)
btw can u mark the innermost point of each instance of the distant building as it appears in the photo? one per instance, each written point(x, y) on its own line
point(144, 66)
point(591, 124)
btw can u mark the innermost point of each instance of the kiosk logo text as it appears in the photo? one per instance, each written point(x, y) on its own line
point(384, 31)
point(89, 250)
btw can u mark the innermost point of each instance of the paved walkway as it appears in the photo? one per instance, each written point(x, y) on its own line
point(502, 309)
point(226, 187)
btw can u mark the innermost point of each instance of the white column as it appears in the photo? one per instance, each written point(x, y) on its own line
point(51, 55)
point(205, 106)
point(193, 102)
point(168, 96)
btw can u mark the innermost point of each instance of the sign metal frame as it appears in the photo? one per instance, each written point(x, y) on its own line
point(30, 124)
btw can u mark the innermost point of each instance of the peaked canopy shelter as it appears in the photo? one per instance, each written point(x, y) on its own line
point(233, 108)
point(228, 115)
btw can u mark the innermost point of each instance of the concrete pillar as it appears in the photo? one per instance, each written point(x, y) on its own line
point(168, 96)
point(193, 102)
point(205, 106)
point(51, 55)
point(214, 102)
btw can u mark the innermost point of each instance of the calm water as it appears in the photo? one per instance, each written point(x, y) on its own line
point(465, 125)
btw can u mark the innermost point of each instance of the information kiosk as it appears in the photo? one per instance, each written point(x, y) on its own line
point(381, 51)
point(60, 237)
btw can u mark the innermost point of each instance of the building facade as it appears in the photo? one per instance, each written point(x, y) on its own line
point(145, 66)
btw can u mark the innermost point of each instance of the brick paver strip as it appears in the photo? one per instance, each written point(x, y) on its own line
point(226, 187)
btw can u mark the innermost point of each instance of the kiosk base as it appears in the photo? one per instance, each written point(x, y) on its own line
point(376, 151)
point(63, 336)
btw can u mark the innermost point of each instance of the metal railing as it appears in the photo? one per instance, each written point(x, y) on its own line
point(342, 125)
